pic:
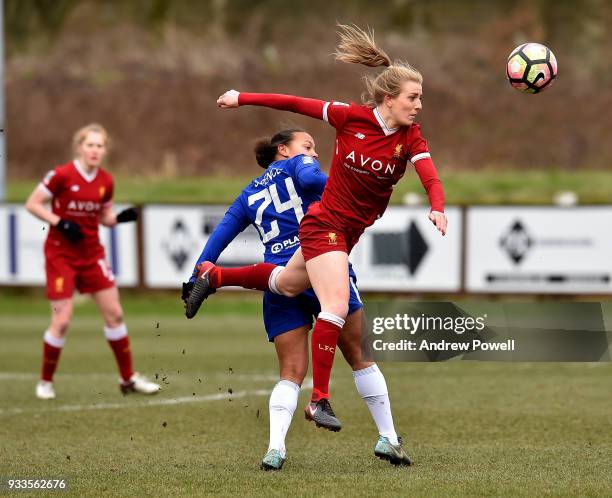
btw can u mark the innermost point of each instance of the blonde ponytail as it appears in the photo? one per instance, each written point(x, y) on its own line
point(358, 47)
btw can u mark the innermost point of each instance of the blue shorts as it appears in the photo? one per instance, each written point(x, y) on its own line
point(282, 314)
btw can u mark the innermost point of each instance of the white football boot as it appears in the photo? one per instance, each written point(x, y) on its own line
point(44, 390)
point(139, 384)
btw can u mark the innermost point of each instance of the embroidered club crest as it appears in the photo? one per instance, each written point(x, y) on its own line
point(59, 284)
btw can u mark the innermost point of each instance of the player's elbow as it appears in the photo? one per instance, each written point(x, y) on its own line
point(31, 205)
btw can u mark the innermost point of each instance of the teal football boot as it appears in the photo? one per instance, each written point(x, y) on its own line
point(394, 454)
point(272, 461)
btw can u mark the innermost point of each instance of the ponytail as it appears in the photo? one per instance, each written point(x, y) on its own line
point(358, 47)
point(267, 148)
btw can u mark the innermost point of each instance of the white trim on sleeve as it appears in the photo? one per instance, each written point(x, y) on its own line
point(325, 117)
point(417, 157)
point(44, 188)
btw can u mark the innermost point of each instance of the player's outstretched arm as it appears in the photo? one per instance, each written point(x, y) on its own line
point(228, 100)
point(234, 222)
point(308, 107)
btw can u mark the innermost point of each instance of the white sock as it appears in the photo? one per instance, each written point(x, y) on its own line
point(371, 386)
point(272, 280)
point(57, 342)
point(115, 333)
point(283, 402)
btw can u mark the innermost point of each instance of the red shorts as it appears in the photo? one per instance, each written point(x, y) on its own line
point(318, 234)
point(88, 276)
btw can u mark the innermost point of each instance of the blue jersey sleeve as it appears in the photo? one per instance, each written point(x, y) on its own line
point(234, 222)
point(309, 175)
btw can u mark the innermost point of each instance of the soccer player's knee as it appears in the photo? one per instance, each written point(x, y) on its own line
point(61, 325)
point(289, 291)
point(61, 321)
point(295, 373)
point(114, 317)
point(288, 288)
point(339, 308)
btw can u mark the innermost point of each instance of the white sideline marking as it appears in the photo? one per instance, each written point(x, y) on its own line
point(154, 402)
point(264, 377)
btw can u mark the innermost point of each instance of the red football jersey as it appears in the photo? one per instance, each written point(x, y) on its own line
point(78, 197)
point(369, 158)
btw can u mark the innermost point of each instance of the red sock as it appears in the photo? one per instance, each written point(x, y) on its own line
point(123, 355)
point(323, 343)
point(250, 277)
point(49, 364)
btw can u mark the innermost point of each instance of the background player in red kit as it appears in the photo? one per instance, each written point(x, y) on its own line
point(374, 143)
point(81, 193)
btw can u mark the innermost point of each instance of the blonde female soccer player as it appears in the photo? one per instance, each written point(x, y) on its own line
point(274, 203)
point(81, 193)
point(375, 142)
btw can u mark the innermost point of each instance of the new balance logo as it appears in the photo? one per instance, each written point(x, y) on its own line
point(360, 136)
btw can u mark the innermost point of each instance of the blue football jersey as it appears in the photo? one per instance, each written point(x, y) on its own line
point(276, 202)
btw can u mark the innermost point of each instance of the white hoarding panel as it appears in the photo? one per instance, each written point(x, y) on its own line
point(22, 260)
point(174, 237)
point(403, 251)
point(539, 250)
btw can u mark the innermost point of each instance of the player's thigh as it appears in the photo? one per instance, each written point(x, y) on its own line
point(329, 277)
point(109, 305)
point(292, 351)
point(294, 277)
point(61, 277)
point(94, 275)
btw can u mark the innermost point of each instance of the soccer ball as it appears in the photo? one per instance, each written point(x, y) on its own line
point(531, 68)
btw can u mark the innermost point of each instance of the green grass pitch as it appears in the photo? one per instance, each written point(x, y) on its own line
point(476, 429)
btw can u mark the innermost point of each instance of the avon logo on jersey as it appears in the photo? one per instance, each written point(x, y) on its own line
point(374, 165)
point(87, 206)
